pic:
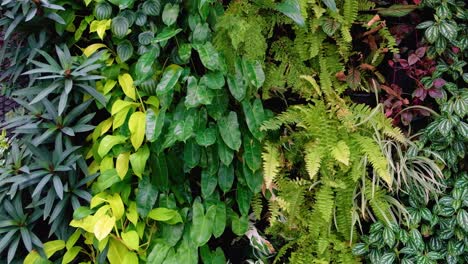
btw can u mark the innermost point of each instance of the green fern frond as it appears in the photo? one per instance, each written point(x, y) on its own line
point(271, 164)
point(375, 156)
point(257, 205)
point(312, 157)
point(324, 203)
point(350, 11)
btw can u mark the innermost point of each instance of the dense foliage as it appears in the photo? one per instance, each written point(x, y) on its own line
point(167, 131)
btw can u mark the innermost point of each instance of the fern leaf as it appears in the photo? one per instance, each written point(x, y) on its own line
point(376, 158)
point(312, 158)
point(341, 152)
point(350, 11)
point(271, 164)
point(325, 203)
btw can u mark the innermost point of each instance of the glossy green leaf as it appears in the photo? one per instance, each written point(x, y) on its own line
point(252, 153)
point(202, 224)
point(144, 65)
point(165, 215)
point(197, 94)
point(146, 196)
point(120, 26)
point(330, 4)
point(166, 34)
point(206, 137)
point(240, 225)
point(432, 33)
point(225, 177)
point(292, 9)
point(448, 30)
point(254, 117)
point(237, 83)
point(213, 80)
point(219, 220)
point(243, 197)
point(229, 131)
point(208, 183)
point(254, 72)
point(170, 14)
point(192, 154)
point(159, 252)
point(210, 57)
point(169, 79)
point(122, 4)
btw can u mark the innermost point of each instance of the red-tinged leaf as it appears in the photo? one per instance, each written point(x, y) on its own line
point(420, 52)
point(435, 93)
point(412, 59)
point(404, 63)
point(354, 78)
point(438, 83)
point(420, 93)
point(406, 118)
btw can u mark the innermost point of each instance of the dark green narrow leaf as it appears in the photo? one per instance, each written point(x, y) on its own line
point(225, 177)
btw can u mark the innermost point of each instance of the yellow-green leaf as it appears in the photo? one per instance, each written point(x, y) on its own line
point(88, 51)
point(100, 26)
point(137, 127)
point(130, 258)
point(107, 163)
point(32, 257)
point(341, 152)
point(72, 239)
point(116, 205)
point(110, 84)
point(119, 118)
point(131, 239)
point(120, 105)
point(132, 214)
point(108, 142)
point(121, 165)
point(105, 126)
point(138, 160)
point(117, 252)
point(103, 227)
point(53, 246)
point(71, 254)
point(126, 82)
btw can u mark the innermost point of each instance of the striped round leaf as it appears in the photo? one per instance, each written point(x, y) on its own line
point(119, 26)
point(140, 18)
point(129, 15)
point(432, 33)
point(125, 50)
point(102, 10)
point(149, 86)
point(145, 37)
point(151, 7)
point(448, 30)
point(142, 49)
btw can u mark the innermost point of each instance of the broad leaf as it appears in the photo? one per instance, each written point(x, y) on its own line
point(229, 131)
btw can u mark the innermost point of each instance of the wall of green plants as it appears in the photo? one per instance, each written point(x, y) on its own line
point(167, 131)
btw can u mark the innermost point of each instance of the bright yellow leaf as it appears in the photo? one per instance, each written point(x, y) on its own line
point(132, 213)
point(100, 26)
point(341, 152)
point(137, 127)
point(108, 86)
point(116, 205)
point(131, 239)
point(121, 165)
point(103, 226)
point(106, 125)
point(126, 82)
point(88, 51)
point(107, 163)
